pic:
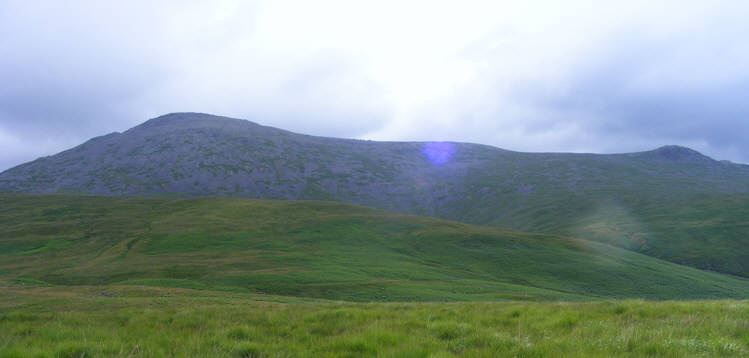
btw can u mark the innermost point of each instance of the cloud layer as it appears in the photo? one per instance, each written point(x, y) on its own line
point(538, 76)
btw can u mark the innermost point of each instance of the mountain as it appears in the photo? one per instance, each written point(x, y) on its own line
point(319, 249)
point(672, 202)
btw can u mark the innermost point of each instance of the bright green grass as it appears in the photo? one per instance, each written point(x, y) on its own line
point(157, 322)
point(322, 250)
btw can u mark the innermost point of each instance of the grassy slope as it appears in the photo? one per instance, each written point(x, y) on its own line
point(319, 249)
point(706, 231)
point(158, 322)
point(688, 213)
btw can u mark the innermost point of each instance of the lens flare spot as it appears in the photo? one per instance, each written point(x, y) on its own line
point(438, 152)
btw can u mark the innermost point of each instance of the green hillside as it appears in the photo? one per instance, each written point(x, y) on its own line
point(319, 249)
point(705, 231)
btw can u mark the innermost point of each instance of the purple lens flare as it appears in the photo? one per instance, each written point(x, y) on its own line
point(438, 152)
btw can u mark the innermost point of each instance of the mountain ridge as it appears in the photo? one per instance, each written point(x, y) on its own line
point(669, 150)
point(244, 131)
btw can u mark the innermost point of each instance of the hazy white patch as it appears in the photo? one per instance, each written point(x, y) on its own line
point(616, 225)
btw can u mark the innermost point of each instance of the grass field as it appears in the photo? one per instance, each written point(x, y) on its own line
point(119, 321)
point(321, 250)
point(221, 277)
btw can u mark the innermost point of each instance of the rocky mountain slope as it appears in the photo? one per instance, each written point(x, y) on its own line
point(198, 154)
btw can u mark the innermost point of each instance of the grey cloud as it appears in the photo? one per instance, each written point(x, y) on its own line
point(73, 70)
point(68, 76)
point(64, 79)
point(635, 92)
point(326, 96)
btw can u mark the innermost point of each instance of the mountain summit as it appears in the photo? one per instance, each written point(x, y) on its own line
point(679, 154)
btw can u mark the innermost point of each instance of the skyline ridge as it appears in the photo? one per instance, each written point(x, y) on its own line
point(209, 116)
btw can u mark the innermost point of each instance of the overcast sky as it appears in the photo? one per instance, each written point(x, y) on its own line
point(580, 76)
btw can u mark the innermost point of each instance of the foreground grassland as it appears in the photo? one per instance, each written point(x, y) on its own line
point(320, 250)
point(119, 321)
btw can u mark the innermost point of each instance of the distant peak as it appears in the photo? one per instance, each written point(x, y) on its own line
point(679, 154)
point(181, 120)
point(677, 150)
point(183, 116)
point(676, 147)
